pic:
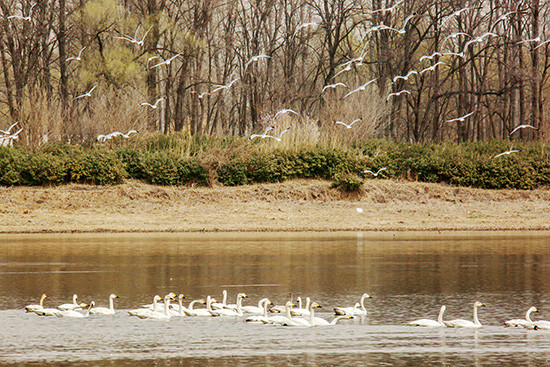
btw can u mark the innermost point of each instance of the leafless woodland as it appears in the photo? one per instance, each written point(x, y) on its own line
point(489, 61)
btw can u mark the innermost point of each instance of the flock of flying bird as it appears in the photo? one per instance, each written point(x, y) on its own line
point(347, 66)
point(265, 312)
point(7, 137)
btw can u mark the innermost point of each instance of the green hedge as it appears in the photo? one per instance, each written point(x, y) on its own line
point(179, 161)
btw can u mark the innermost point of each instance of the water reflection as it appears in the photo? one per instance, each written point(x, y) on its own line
point(410, 275)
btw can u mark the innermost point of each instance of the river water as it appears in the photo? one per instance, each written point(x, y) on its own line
point(409, 276)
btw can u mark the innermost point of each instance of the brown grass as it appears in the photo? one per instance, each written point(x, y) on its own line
point(291, 206)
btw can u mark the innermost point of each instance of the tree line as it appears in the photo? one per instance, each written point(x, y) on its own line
point(439, 70)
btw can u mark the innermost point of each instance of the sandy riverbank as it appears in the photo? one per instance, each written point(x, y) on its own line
point(291, 206)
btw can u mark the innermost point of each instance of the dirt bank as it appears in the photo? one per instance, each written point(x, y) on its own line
point(290, 206)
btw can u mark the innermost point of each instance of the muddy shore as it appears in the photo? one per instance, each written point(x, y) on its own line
point(299, 205)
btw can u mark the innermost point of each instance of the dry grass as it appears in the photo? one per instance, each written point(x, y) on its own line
point(290, 206)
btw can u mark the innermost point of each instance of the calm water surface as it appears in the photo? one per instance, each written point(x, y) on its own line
point(409, 276)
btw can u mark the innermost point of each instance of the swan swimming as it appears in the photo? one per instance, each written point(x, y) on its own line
point(288, 320)
point(230, 312)
point(189, 311)
point(105, 310)
point(465, 323)
point(301, 311)
point(520, 322)
point(34, 308)
point(263, 318)
point(358, 309)
point(222, 304)
point(317, 321)
point(157, 315)
point(75, 314)
point(256, 310)
point(202, 312)
point(72, 306)
point(155, 306)
point(146, 310)
point(430, 323)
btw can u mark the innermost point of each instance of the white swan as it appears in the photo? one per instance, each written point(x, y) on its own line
point(146, 310)
point(155, 306)
point(233, 306)
point(105, 310)
point(288, 320)
point(75, 314)
point(190, 311)
point(317, 321)
point(72, 306)
point(34, 308)
point(263, 318)
point(180, 312)
point(430, 323)
point(201, 312)
point(466, 323)
point(230, 312)
point(281, 308)
point(520, 322)
point(157, 315)
point(358, 309)
point(222, 304)
point(301, 311)
point(256, 310)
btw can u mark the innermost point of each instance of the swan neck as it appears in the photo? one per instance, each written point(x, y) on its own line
point(74, 299)
point(363, 303)
point(224, 300)
point(476, 320)
point(308, 301)
point(265, 309)
point(528, 315)
point(111, 304)
point(166, 306)
point(288, 312)
point(440, 316)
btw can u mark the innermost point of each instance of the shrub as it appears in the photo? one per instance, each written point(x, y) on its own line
point(232, 173)
point(44, 168)
point(97, 167)
point(11, 163)
point(348, 182)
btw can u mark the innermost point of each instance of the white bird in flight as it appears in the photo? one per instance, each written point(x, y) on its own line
point(166, 62)
point(536, 39)
point(395, 94)
point(7, 132)
point(522, 127)
point(87, 94)
point(361, 88)
point(542, 44)
point(226, 86)
point(350, 124)
point(505, 153)
point(430, 57)
point(278, 138)
point(134, 39)
point(79, 57)
point(375, 174)
point(390, 9)
point(347, 68)
point(285, 111)
point(255, 59)
point(261, 135)
point(28, 18)
point(455, 14)
point(462, 118)
point(304, 25)
point(333, 86)
point(477, 40)
point(155, 105)
point(454, 35)
point(405, 77)
point(432, 68)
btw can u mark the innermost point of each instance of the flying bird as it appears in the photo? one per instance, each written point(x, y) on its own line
point(478, 39)
point(502, 17)
point(79, 57)
point(333, 86)
point(430, 57)
point(455, 14)
point(361, 88)
point(7, 132)
point(390, 9)
point(522, 127)
point(432, 68)
point(505, 153)
point(397, 94)
point(285, 111)
point(350, 124)
point(166, 62)
point(226, 86)
point(347, 68)
point(87, 94)
point(536, 39)
point(405, 77)
point(28, 18)
point(304, 25)
point(255, 59)
point(263, 135)
point(375, 174)
point(462, 118)
point(542, 44)
point(155, 105)
point(134, 39)
point(278, 138)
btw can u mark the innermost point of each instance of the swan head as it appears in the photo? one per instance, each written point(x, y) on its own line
point(43, 297)
point(366, 295)
point(243, 295)
point(113, 296)
point(92, 304)
point(533, 309)
point(157, 298)
point(181, 296)
point(478, 304)
point(316, 305)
